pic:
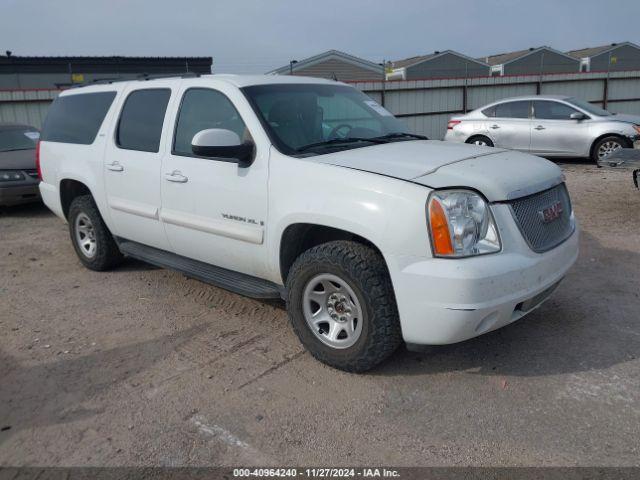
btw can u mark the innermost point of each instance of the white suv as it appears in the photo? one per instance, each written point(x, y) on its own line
point(308, 190)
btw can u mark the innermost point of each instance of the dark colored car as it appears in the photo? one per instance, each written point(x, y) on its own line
point(18, 173)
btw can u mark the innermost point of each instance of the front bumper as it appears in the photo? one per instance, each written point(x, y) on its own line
point(19, 194)
point(442, 301)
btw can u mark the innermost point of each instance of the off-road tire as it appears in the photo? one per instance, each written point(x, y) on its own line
point(107, 253)
point(365, 271)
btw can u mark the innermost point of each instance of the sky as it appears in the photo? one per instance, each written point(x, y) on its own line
point(252, 36)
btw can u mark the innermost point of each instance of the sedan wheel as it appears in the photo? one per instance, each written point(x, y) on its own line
point(608, 147)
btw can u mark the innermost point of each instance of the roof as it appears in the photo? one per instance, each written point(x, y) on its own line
point(329, 54)
point(238, 81)
point(408, 62)
point(503, 58)
point(103, 64)
point(593, 51)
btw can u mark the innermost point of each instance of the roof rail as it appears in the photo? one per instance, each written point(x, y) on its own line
point(146, 76)
point(140, 77)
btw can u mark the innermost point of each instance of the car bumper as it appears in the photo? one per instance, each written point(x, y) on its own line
point(444, 301)
point(19, 194)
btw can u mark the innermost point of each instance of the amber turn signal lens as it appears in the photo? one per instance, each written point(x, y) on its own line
point(439, 229)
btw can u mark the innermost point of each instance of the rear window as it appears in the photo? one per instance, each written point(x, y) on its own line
point(513, 109)
point(76, 118)
point(17, 138)
point(141, 120)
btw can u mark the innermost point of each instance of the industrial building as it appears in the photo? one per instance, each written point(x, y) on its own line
point(18, 72)
point(533, 61)
point(335, 65)
point(446, 64)
point(614, 57)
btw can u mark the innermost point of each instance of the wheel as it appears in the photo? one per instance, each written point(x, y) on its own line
point(90, 237)
point(480, 140)
point(342, 307)
point(605, 146)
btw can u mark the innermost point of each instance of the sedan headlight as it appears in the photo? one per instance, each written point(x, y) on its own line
point(461, 224)
point(10, 176)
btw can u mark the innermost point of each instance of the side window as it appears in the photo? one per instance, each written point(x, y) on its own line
point(140, 125)
point(513, 110)
point(552, 110)
point(490, 112)
point(203, 108)
point(76, 118)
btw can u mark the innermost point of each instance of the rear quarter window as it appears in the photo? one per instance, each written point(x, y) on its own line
point(76, 118)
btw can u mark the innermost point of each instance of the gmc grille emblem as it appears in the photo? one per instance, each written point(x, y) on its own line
point(550, 213)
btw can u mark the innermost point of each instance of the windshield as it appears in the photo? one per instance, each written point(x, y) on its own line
point(589, 107)
point(15, 138)
point(316, 118)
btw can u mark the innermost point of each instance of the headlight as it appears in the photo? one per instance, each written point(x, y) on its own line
point(10, 176)
point(461, 224)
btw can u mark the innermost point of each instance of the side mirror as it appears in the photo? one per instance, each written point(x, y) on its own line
point(578, 116)
point(222, 143)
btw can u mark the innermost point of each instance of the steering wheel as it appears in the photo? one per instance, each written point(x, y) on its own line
point(334, 133)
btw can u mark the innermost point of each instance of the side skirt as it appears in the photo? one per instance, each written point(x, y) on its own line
point(220, 277)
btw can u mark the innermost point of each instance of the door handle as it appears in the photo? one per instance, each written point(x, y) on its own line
point(494, 126)
point(539, 127)
point(176, 176)
point(115, 167)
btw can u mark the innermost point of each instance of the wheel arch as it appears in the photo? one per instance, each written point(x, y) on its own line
point(624, 138)
point(300, 237)
point(69, 190)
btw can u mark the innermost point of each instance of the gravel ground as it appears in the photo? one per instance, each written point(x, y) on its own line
point(142, 366)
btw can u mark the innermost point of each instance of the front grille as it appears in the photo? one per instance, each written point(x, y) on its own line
point(542, 224)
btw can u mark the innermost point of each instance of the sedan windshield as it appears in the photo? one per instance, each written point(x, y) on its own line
point(17, 138)
point(589, 107)
point(318, 118)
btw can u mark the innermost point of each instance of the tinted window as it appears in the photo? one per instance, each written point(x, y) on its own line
point(141, 120)
point(76, 118)
point(203, 108)
point(513, 110)
point(490, 112)
point(18, 138)
point(552, 111)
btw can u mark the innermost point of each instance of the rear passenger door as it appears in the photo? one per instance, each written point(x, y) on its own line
point(132, 165)
point(510, 125)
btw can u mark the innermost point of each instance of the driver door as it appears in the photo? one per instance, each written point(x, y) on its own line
point(213, 210)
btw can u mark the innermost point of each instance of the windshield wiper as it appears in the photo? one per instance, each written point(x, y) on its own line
point(337, 141)
point(402, 135)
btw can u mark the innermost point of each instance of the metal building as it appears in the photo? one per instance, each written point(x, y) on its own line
point(533, 61)
point(335, 65)
point(58, 72)
point(446, 64)
point(615, 57)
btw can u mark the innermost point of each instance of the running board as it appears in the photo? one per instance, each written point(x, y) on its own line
point(220, 277)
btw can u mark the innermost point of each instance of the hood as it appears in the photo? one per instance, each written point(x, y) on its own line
point(623, 117)
point(18, 159)
point(497, 173)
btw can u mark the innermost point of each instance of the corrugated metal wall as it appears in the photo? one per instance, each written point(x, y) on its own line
point(25, 106)
point(427, 105)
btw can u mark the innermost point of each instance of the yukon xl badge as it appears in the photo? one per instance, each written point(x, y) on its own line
point(550, 213)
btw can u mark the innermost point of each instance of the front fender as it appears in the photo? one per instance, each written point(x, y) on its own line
point(388, 212)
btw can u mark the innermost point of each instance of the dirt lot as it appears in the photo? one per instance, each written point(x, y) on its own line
point(142, 366)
